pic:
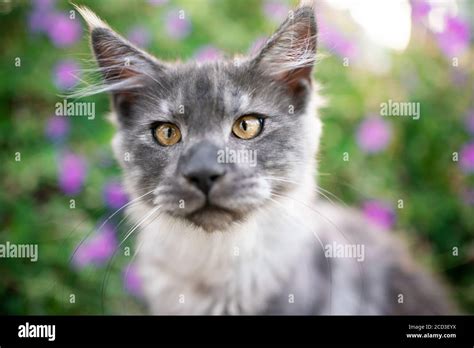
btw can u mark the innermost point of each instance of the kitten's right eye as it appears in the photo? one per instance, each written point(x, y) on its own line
point(166, 134)
point(247, 127)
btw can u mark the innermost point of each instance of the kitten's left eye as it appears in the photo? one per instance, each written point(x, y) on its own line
point(167, 134)
point(247, 127)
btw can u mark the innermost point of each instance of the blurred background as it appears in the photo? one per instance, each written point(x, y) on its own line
point(61, 185)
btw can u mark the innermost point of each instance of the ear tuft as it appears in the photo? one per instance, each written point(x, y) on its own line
point(92, 20)
point(123, 66)
point(307, 3)
point(290, 53)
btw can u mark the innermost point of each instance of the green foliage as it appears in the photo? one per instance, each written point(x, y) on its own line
point(417, 166)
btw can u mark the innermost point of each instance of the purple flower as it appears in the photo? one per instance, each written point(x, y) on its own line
point(373, 134)
point(419, 9)
point(57, 128)
point(40, 19)
point(65, 74)
point(207, 53)
point(470, 121)
point(139, 36)
point(454, 39)
point(380, 213)
point(466, 157)
point(132, 280)
point(177, 25)
point(98, 249)
point(43, 4)
point(335, 41)
point(275, 10)
point(64, 31)
point(114, 195)
point(72, 173)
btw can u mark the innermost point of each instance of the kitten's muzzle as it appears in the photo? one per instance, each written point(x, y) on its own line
point(200, 167)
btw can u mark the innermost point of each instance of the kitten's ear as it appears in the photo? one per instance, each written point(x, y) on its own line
point(290, 53)
point(123, 66)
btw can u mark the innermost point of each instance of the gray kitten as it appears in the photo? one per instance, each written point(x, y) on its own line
point(220, 233)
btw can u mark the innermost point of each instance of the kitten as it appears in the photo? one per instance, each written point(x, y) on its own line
point(224, 236)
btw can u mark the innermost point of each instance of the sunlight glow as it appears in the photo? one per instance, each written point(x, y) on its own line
point(387, 23)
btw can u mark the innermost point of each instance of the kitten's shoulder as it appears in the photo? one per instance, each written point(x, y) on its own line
point(408, 288)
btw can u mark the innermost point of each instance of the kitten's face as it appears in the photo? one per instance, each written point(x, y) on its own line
point(213, 141)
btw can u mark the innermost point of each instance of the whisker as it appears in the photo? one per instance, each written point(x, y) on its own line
point(360, 266)
point(318, 189)
point(133, 201)
point(138, 225)
point(322, 247)
point(332, 195)
point(110, 262)
point(134, 256)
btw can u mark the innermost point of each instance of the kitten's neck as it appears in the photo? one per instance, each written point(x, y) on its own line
point(192, 271)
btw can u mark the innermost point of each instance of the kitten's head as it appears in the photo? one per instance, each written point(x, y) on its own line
point(213, 141)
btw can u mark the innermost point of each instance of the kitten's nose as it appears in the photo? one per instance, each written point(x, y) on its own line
point(200, 166)
point(204, 179)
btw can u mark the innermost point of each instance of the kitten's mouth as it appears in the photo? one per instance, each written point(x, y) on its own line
point(213, 218)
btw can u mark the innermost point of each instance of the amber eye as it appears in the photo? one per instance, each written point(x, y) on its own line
point(167, 134)
point(247, 127)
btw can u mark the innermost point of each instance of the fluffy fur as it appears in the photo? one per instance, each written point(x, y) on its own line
point(255, 244)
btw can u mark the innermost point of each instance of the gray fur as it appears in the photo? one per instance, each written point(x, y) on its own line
point(262, 249)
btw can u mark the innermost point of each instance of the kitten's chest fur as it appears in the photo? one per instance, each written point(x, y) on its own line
point(192, 272)
point(274, 263)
